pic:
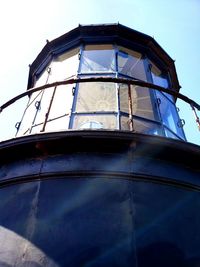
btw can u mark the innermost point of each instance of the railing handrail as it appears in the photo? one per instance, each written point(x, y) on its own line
point(103, 79)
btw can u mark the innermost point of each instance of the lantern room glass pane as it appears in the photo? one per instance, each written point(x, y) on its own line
point(44, 105)
point(58, 124)
point(94, 121)
point(169, 134)
point(44, 77)
point(141, 101)
point(141, 126)
point(159, 78)
point(125, 123)
point(97, 58)
point(96, 96)
point(37, 128)
point(30, 113)
point(169, 115)
point(47, 104)
point(130, 63)
point(62, 67)
point(65, 65)
point(62, 101)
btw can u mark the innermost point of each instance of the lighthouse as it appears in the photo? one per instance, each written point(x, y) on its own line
point(99, 172)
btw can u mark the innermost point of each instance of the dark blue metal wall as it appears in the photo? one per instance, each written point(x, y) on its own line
point(62, 203)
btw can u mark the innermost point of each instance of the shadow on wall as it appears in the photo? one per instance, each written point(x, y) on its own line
point(26, 263)
point(164, 254)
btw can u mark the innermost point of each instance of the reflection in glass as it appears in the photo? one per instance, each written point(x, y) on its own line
point(91, 125)
point(97, 58)
point(91, 121)
point(131, 63)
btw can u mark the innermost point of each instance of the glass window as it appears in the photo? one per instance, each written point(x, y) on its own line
point(37, 128)
point(58, 124)
point(94, 121)
point(44, 105)
point(169, 134)
point(125, 123)
point(62, 101)
point(141, 101)
point(10, 120)
point(65, 65)
point(97, 58)
point(30, 113)
point(96, 96)
point(131, 63)
point(141, 126)
point(62, 67)
point(169, 115)
point(44, 78)
point(159, 78)
point(38, 107)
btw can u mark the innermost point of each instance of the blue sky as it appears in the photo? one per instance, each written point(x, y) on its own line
point(25, 26)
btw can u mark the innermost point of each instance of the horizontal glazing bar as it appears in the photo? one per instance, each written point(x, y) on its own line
point(97, 73)
point(95, 112)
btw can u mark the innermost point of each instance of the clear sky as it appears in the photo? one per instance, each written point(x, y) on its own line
point(25, 26)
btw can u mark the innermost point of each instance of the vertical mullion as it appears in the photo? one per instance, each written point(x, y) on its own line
point(130, 108)
point(117, 88)
point(71, 115)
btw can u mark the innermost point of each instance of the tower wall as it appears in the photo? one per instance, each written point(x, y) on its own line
point(83, 199)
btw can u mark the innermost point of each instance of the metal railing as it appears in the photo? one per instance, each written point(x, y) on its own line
point(73, 80)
